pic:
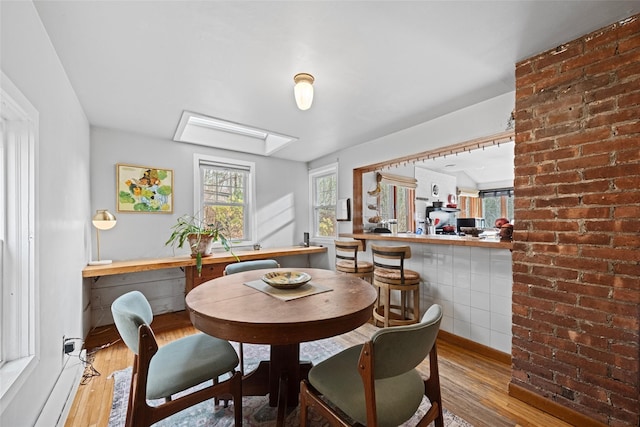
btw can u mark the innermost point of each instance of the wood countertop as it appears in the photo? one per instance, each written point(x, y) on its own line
point(137, 265)
point(431, 239)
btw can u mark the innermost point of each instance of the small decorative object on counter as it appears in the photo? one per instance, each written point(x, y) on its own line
point(500, 222)
point(393, 226)
point(506, 232)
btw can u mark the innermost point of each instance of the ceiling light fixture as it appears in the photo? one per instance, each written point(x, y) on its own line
point(303, 90)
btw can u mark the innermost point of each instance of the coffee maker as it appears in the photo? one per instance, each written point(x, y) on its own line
point(439, 216)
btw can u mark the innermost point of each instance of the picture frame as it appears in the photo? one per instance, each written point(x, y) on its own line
point(435, 190)
point(144, 189)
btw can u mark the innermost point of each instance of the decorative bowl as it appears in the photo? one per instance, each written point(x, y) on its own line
point(286, 279)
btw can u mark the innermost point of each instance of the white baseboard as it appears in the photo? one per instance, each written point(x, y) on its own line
point(57, 408)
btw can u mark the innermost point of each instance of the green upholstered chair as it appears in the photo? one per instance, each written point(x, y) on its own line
point(239, 267)
point(258, 264)
point(377, 383)
point(161, 372)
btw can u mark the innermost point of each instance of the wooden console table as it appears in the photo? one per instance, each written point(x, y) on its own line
point(212, 266)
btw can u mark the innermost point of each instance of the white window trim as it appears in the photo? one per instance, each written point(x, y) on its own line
point(20, 346)
point(251, 188)
point(313, 173)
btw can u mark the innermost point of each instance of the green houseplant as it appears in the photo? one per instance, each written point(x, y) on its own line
point(200, 236)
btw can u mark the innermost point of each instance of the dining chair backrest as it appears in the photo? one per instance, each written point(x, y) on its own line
point(130, 311)
point(238, 267)
point(402, 348)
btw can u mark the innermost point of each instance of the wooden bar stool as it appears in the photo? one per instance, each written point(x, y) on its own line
point(389, 275)
point(347, 259)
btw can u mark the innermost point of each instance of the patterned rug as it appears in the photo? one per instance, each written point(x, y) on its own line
point(255, 409)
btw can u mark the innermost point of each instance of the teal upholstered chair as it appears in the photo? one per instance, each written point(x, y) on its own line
point(258, 264)
point(377, 383)
point(161, 372)
point(239, 267)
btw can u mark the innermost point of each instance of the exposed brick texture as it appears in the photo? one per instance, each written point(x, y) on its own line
point(576, 256)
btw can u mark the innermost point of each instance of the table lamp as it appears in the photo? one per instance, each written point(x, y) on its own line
point(102, 220)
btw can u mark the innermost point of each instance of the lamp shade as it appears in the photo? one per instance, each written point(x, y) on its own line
point(103, 220)
point(303, 90)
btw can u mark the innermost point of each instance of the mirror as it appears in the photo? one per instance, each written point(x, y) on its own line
point(480, 164)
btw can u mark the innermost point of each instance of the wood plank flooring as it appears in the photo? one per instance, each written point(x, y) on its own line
point(473, 387)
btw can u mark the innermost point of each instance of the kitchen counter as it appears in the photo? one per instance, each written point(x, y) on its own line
point(471, 278)
point(438, 239)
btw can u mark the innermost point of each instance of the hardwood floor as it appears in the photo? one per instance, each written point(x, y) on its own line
point(474, 387)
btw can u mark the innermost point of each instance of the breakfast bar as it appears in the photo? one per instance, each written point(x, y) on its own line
point(471, 278)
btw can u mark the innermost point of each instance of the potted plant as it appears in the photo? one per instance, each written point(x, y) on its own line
point(200, 236)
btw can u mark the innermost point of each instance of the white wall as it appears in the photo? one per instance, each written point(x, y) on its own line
point(62, 202)
point(281, 193)
point(281, 200)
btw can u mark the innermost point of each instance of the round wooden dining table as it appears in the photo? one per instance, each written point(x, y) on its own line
point(229, 307)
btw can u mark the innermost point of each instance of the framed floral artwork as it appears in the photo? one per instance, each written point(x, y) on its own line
point(144, 189)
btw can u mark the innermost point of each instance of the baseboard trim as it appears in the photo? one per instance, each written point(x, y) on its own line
point(57, 407)
point(481, 349)
point(549, 406)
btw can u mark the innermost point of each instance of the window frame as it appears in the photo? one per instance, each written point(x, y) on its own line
point(314, 175)
point(250, 198)
point(20, 320)
point(504, 197)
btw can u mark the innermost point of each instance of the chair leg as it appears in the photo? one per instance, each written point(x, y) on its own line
point(303, 404)
point(387, 307)
point(241, 346)
point(432, 387)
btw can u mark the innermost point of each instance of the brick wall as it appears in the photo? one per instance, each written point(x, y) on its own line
point(576, 256)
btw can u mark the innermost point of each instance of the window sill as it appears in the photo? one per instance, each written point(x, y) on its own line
point(12, 375)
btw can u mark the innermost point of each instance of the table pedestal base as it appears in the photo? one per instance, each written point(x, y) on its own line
point(279, 377)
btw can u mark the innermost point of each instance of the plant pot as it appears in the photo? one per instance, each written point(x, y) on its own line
point(200, 244)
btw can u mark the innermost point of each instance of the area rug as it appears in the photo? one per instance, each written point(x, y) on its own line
point(256, 411)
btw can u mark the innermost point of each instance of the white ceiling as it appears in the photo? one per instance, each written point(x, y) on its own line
point(380, 66)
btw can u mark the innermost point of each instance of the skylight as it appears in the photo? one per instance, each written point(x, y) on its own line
point(199, 129)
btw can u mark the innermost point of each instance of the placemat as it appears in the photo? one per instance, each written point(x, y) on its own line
point(305, 290)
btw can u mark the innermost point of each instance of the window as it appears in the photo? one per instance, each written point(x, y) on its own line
point(226, 196)
point(323, 188)
point(18, 139)
point(398, 203)
point(497, 204)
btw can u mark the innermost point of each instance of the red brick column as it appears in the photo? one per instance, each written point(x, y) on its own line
point(576, 256)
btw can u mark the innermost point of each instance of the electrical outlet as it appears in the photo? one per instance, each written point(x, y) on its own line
point(68, 345)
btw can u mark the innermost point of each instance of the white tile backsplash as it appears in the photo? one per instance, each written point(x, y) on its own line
point(481, 335)
point(461, 296)
point(481, 300)
point(462, 328)
point(501, 323)
point(501, 342)
point(481, 318)
point(501, 305)
point(480, 283)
